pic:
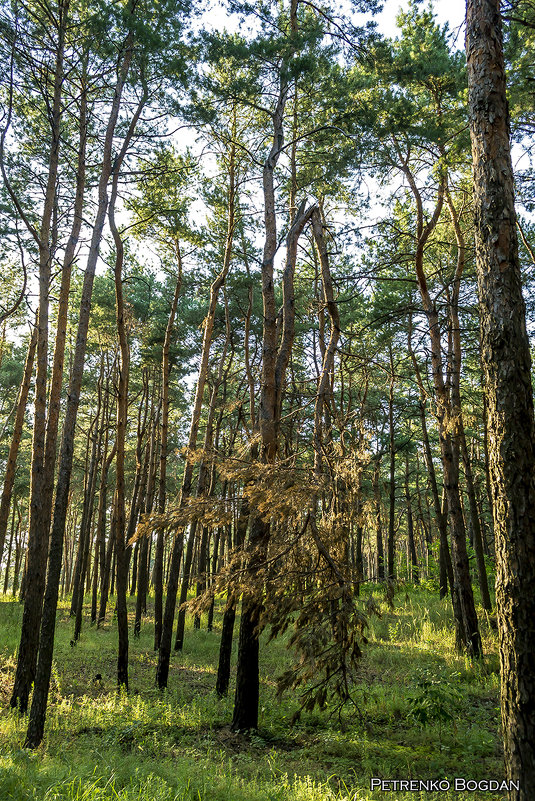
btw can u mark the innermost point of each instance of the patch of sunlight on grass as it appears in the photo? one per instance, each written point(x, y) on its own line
point(177, 745)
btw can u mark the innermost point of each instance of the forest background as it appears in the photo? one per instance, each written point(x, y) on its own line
point(243, 387)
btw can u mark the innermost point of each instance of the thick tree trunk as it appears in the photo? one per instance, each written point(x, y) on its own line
point(507, 364)
point(225, 646)
point(247, 693)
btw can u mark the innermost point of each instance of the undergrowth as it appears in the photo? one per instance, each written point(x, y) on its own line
point(423, 713)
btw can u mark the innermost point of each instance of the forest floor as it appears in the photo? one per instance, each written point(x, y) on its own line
point(425, 714)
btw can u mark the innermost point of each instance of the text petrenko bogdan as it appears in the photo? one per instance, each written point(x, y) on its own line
point(442, 785)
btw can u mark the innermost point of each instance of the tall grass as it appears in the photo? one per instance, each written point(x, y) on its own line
point(423, 712)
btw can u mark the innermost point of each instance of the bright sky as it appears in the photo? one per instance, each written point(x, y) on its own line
point(451, 11)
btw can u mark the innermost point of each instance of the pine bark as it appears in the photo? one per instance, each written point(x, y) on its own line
point(507, 365)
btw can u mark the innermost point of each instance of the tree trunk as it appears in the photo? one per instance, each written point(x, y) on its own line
point(158, 555)
point(213, 571)
point(476, 526)
point(378, 525)
point(225, 646)
point(120, 434)
point(274, 364)
point(79, 550)
point(507, 365)
point(415, 573)
point(142, 567)
point(99, 566)
point(42, 680)
point(456, 402)
point(39, 519)
point(392, 486)
point(19, 549)
point(10, 547)
point(106, 574)
point(202, 489)
point(11, 464)
point(172, 587)
point(85, 531)
point(448, 423)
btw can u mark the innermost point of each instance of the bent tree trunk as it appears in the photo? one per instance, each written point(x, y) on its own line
point(507, 365)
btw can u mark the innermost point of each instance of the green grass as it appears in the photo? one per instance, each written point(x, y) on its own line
point(425, 713)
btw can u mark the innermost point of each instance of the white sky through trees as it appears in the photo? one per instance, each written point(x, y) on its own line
point(450, 11)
